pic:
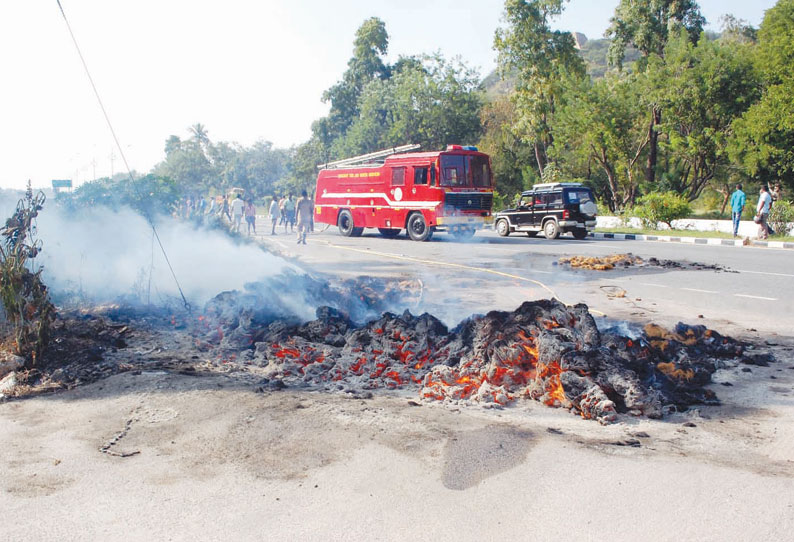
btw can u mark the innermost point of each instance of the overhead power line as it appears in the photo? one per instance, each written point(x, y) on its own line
point(146, 213)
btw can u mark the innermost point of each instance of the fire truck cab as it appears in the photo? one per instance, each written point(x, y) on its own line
point(395, 190)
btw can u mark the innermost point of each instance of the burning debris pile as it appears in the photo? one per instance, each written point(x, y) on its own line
point(543, 350)
point(612, 261)
point(604, 263)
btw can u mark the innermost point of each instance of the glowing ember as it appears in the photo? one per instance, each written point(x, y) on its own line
point(543, 351)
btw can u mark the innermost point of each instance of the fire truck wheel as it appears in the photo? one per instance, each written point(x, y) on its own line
point(418, 230)
point(346, 225)
point(502, 227)
point(389, 233)
point(551, 230)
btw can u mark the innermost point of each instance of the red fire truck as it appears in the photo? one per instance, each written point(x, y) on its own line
point(421, 192)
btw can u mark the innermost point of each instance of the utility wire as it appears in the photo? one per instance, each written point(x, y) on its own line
point(146, 213)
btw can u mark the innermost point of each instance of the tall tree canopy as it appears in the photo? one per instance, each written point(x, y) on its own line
point(765, 133)
point(542, 59)
point(703, 88)
point(429, 101)
point(602, 124)
point(369, 49)
point(646, 25)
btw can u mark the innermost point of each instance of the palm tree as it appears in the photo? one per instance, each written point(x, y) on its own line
point(200, 134)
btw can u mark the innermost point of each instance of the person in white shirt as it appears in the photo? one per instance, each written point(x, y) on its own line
point(275, 213)
point(762, 211)
point(237, 212)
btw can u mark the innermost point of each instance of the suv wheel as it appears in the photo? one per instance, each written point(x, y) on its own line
point(502, 227)
point(551, 229)
point(579, 233)
point(417, 227)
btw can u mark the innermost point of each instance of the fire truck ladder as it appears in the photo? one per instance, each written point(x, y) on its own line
point(350, 162)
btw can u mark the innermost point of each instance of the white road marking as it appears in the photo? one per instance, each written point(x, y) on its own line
point(699, 290)
point(654, 285)
point(765, 273)
point(756, 297)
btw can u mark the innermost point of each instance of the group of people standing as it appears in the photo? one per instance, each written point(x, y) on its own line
point(240, 208)
point(289, 213)
point(283, 210)
point(766, 199)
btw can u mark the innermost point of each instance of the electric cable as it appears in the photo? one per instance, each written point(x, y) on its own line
point(145, 212)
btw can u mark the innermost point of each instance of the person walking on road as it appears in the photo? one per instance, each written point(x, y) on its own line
point(776, 193)
point(282, 212)
point(224, 209)
point(274, 213)
point(237, 212)
point(738, 201)
point(289, 214)
point(762, 212)
point(250, 215)
point(211, 210)
point(304, 212)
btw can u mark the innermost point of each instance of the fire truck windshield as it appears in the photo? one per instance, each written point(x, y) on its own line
point(465, 171)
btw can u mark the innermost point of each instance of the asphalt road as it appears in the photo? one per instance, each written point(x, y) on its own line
point(750, 295)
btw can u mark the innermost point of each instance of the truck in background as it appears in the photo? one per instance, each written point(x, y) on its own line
point(420, 192)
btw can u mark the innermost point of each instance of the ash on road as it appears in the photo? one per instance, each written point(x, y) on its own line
point(217, 460)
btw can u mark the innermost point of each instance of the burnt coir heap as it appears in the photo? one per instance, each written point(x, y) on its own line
point(543, 350)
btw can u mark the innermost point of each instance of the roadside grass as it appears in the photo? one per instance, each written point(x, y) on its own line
point(686, 233)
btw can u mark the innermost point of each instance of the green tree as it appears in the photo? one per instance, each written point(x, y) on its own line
point(646, 25)
point(602, 123)
point(432, 103)
point(737, 30)
point(150, 195)
point(764, 142)
point(511, 157)
point(542, 59)
point(173, 143)
point(704, 88)
point(369, 48)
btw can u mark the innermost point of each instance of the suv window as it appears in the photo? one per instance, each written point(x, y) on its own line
point(544, 200)
point(579, 196)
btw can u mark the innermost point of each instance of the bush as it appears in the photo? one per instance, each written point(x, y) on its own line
point(149, 195)
point(781, 215)
point(661, 207)
point(25, 299)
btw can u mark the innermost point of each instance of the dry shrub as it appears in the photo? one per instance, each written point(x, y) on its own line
point(25, 299)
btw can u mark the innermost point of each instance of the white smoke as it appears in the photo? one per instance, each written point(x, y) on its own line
point(101, 255)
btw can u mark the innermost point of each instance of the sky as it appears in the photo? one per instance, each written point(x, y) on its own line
point(247, 70)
